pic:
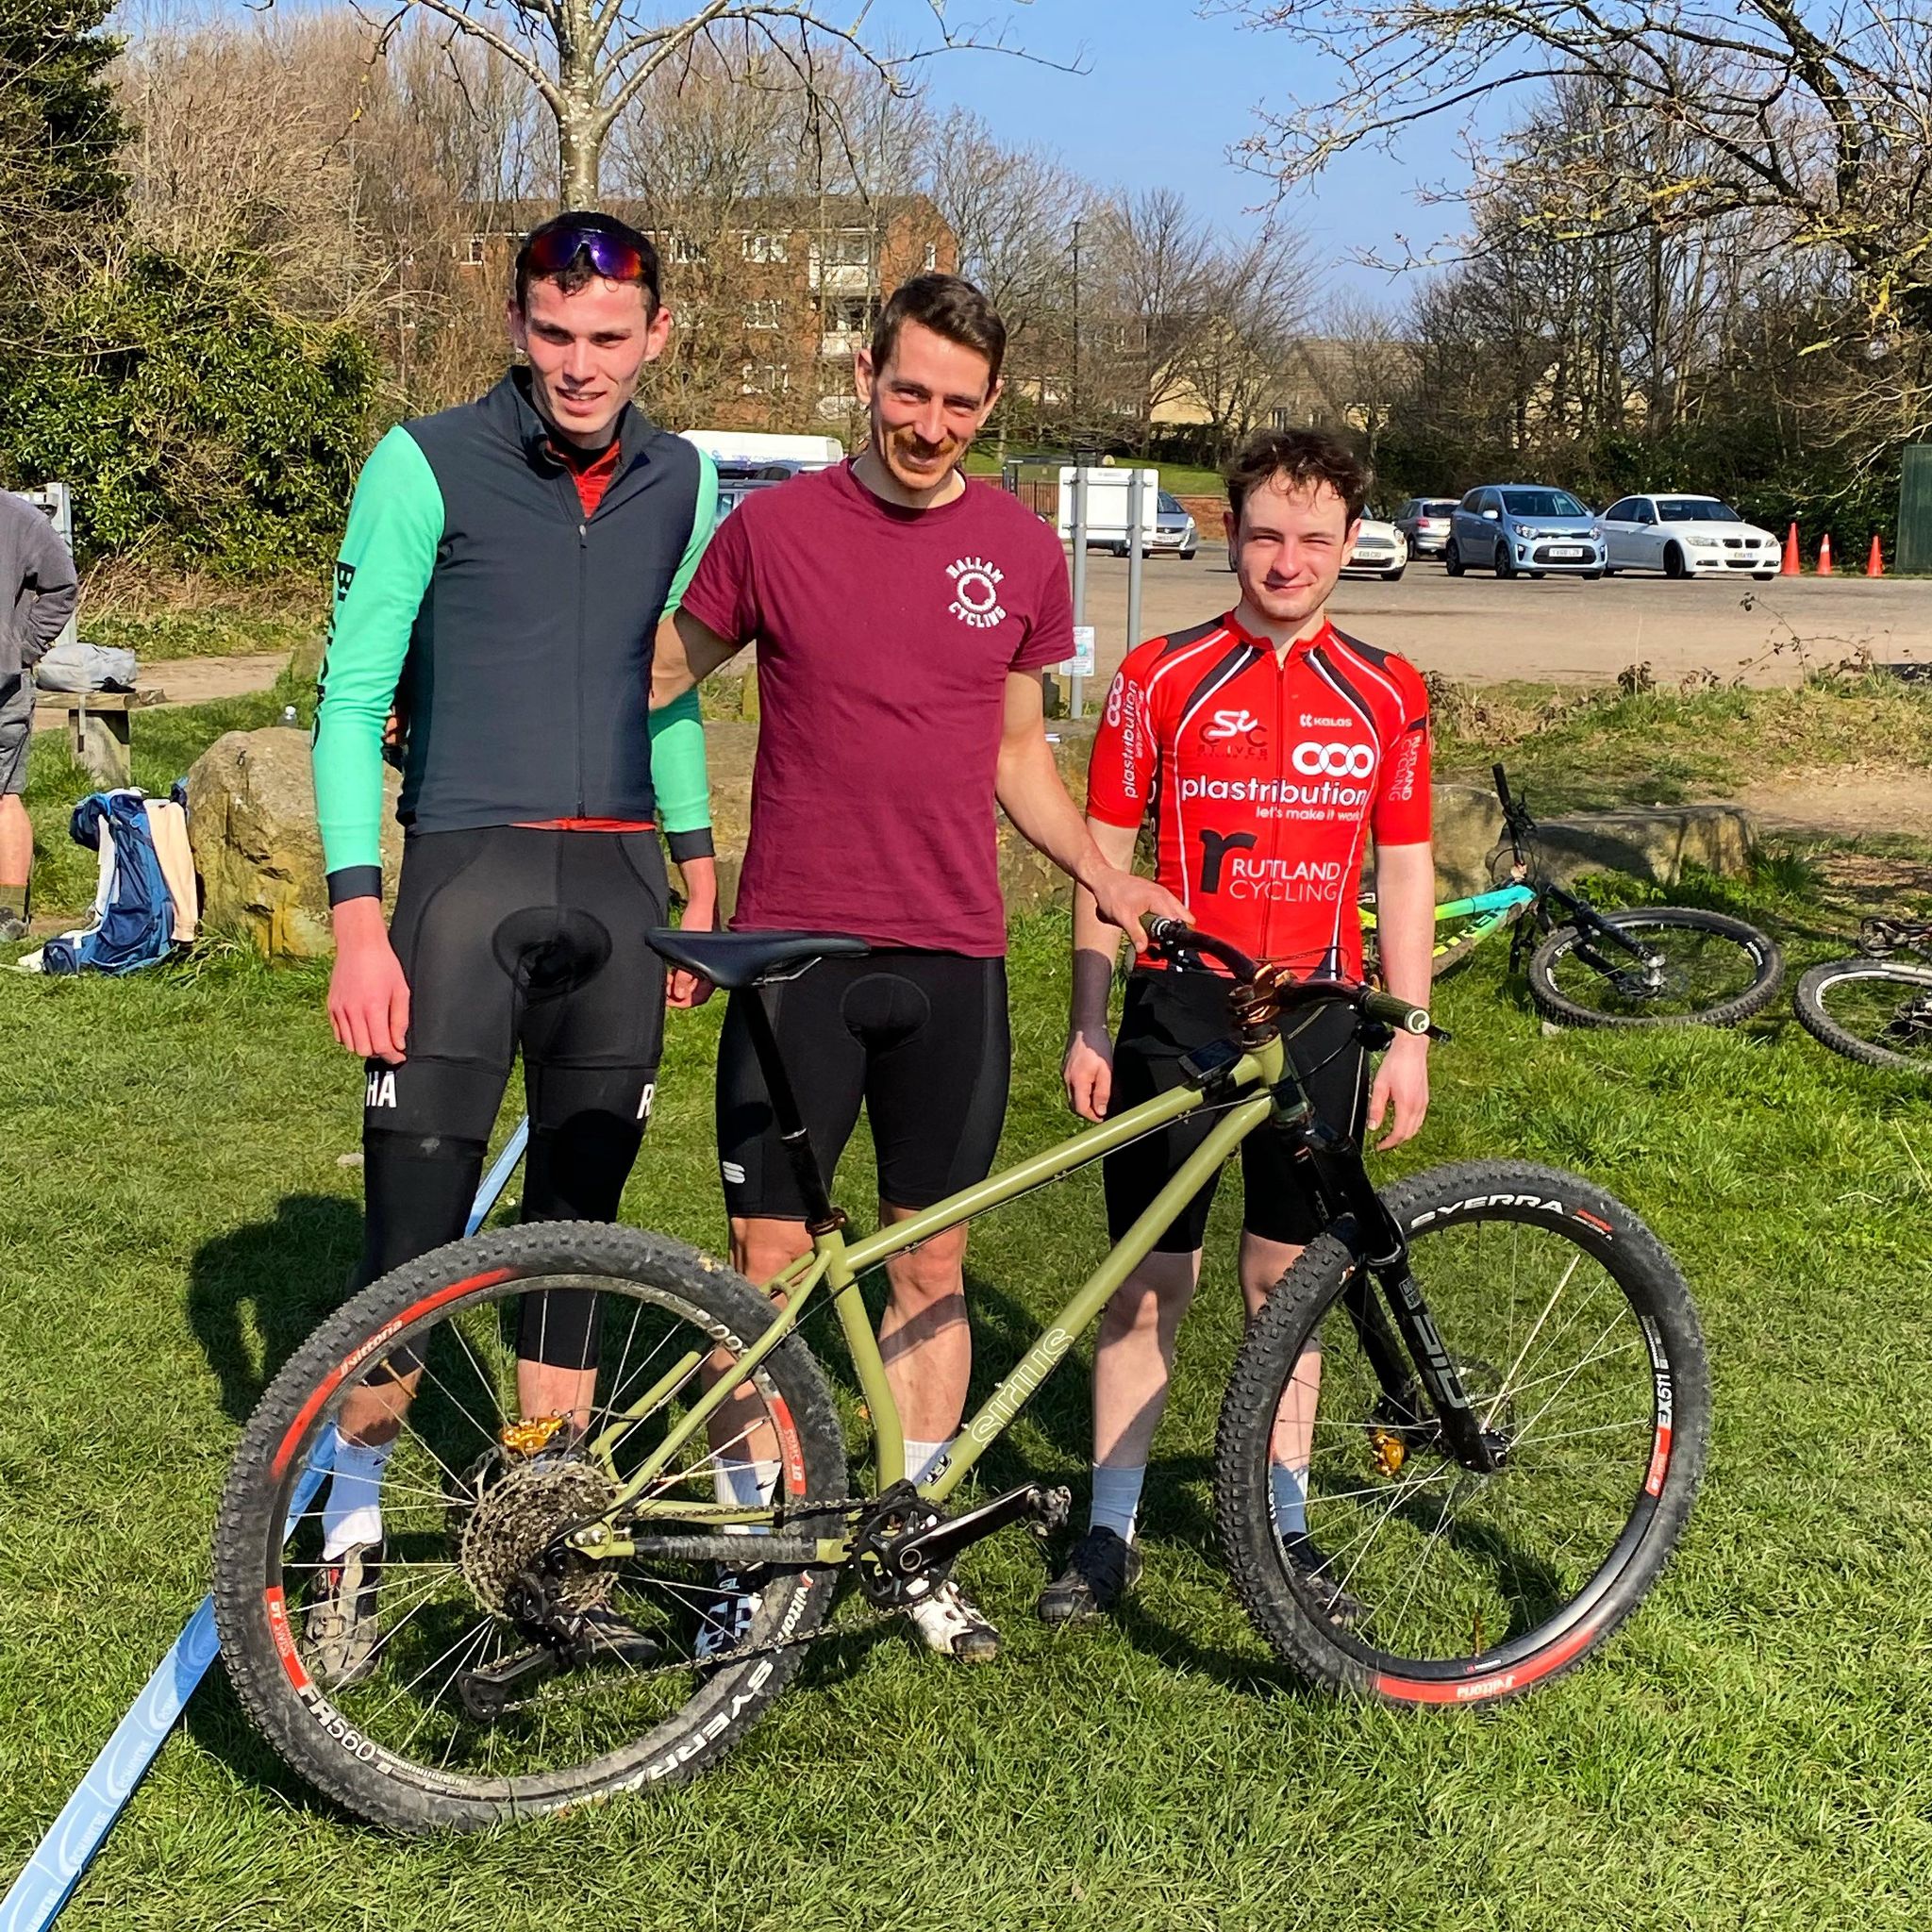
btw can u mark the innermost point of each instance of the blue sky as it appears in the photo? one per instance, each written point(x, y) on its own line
point(1164, 95)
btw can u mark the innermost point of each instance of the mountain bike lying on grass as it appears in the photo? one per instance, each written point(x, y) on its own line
point(1650, 966)
point(1875, 1008)
point(1490, 1381)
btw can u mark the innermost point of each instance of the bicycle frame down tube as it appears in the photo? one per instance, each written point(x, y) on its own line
point(1033, 1368)
point(846, 1260)
point(1498, 901)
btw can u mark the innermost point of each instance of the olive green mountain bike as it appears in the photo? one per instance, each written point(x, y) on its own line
point(1490, 1378)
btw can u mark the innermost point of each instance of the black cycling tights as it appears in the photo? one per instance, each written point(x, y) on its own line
point(514, 937)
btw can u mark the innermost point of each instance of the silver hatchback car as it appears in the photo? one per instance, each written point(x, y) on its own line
point(1525, 530)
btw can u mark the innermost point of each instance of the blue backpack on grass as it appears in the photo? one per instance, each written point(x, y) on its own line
point(133, 921)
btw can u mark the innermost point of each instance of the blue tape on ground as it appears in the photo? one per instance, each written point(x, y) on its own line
point(36, 1898)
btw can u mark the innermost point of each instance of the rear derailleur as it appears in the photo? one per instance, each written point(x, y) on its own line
point(561, 1635)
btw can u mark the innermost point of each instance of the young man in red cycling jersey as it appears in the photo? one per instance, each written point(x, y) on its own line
point(1272, 749)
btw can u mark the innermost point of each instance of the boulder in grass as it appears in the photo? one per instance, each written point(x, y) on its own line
point(251, 819)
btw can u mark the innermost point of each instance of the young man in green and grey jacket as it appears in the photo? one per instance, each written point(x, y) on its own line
point(500, 584)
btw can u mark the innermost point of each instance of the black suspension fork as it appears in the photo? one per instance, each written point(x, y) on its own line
point(1362, 1220)
point(1592, 925)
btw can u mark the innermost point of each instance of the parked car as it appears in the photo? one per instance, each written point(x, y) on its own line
point(737, 480)
point(1381, 551)
point(1524, 529)
point(1424, 521)
point(1686, 536)
point(1172, 534)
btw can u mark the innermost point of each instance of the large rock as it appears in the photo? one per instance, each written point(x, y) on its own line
point(1654, 843)
point(251, 818)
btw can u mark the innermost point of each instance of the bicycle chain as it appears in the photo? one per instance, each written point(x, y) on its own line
point(722, 1661)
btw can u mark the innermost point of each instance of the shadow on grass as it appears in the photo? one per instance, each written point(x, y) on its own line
point(288, 1273)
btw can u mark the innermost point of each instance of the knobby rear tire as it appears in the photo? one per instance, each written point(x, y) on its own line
point(300, 1721)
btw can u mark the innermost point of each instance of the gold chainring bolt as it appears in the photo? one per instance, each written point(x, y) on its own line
point(1391, 1451)
point(530, 1438)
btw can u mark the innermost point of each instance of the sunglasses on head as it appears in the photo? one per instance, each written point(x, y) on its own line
point(552, 250)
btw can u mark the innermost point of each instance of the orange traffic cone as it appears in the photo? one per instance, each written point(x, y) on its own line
point(1790, 567)
point(1824, 569)
point(1874, 564)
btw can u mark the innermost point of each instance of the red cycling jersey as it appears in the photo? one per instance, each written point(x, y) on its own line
point(1267, 779)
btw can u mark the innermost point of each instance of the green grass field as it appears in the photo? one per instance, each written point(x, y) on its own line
point(1749, 1752)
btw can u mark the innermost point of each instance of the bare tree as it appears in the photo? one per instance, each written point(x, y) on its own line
point(1368, 368)
point(588, 60)
point(1256, 302)
point(1154, 298)
point(1012, 211)
point(1818, 116)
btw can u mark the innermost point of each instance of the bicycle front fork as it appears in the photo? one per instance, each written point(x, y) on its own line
point(1411, 1352)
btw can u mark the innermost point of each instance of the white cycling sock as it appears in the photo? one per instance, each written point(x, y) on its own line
point(1289, 1489)
point(747, 1484)
point(920, 1457)
point(352, 1513)
point(1117, 1498)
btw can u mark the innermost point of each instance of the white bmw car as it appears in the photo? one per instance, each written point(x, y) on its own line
point(1686, 536)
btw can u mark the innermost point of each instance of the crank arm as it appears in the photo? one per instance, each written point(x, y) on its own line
point(927, 1548)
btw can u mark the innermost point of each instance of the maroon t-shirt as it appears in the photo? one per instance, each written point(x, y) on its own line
point(885, 637)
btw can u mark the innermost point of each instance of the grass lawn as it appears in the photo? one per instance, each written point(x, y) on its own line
point(1747, 1753)
point(189, 618)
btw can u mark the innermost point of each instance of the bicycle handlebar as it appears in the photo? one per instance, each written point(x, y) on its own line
point(1172, 937)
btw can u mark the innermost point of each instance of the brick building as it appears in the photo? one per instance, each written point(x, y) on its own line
point(771, 295)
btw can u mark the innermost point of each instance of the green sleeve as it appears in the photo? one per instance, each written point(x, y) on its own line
point(703, 522)
point(677, 732)
point(388, 553)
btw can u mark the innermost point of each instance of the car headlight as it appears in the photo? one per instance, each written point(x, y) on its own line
point(1707, 543)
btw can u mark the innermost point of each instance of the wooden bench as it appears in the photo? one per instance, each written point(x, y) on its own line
point(96, 726)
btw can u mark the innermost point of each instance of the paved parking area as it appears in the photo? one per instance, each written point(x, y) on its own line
point(1562, 629)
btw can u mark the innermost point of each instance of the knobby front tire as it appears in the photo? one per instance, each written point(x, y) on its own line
point(1717, 972)
point(1875, 1011)
point(1577, 1341)
point(464, 1517)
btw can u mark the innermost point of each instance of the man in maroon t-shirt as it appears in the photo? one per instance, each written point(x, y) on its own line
point(903, 617)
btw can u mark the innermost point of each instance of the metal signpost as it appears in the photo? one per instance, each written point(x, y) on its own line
point(1078, 683)
point(1137, 523)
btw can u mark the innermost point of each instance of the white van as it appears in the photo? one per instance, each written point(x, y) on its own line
point(752, 446)
point(1166, 528)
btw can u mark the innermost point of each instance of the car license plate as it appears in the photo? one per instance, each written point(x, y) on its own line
point(1568, 550)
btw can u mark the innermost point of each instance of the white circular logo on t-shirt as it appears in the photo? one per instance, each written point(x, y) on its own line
point(977, 592)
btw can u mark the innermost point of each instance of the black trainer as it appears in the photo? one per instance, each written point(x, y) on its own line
point(1100, 1571)
point(1311, 1564)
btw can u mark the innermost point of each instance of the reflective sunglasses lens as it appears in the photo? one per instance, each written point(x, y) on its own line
point(610, 256)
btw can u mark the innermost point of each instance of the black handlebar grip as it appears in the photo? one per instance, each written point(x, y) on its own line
point(1397, 1013)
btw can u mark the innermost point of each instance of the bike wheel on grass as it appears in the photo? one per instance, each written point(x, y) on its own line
point(1412, 1580)
point(472, 1711)
point(1876, 1011)
point(1701, 969)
